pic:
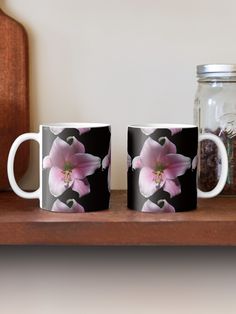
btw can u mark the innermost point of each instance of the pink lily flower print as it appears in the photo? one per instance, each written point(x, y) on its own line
point(194, 162)
point(58, 130)
point(149, 131)
point(150, 207)
point(71, 206)
point(106, 163)
point(175, 130)
point(129, 161)
point(160, 167)
point(69, 167)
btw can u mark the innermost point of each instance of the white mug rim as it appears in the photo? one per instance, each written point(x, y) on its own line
point(75, 125)
point(162, 126)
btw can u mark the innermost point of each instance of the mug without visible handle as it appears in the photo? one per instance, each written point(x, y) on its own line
point(224, 166)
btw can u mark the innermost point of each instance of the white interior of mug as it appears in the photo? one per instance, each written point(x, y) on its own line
point(76, 125)
point(162, 126)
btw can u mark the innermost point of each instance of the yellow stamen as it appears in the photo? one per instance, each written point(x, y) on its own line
point(158, 177)
point(67, 177)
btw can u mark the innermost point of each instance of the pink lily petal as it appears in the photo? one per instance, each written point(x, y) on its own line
point(56, 130)
point(105, 162)
point(194, 163)
point(107, 159)
point(109, 178)
point(148, 131)
point(74, 161)
point(47, 163)
point(150, 207)
point(59, 206)
point(83, 130)
point(62, 152)
point(56, 182)
point(81, 186)
point(147, 183)
point(168, 147)
point(76, 146)
point(136, 163)
point(150, 153)
point(173, 187)
point(176, 165)
point(175, 130)
point(166, 207)
point(58, 152)
point(129, 162)
point(87, 165)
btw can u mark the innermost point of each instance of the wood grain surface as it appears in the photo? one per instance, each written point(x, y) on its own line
point(23, 222)
point(14, 94)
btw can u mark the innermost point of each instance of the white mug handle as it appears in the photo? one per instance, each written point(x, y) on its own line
point(224, 166)
point(10, 165)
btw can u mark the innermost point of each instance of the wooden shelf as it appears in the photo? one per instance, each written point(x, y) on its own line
point(23, 222)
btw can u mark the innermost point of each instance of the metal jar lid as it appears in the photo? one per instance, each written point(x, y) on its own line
point(216, 70)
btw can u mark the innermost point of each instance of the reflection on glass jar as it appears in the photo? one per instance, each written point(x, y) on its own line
point(215, 112)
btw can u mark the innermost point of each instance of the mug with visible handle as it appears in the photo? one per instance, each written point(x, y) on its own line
point(74, 166)
point(162, 167)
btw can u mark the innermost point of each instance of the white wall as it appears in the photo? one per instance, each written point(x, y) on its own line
point(117, 281)
point(122, 62)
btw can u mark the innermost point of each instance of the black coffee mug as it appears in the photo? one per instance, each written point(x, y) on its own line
point(162, 167)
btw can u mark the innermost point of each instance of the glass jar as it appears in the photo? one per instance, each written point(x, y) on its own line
point(215, 112)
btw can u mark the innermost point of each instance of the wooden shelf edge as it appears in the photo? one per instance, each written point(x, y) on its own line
point(170, 234)
point(23, 223)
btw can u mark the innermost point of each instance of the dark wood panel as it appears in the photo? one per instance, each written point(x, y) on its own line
point(23, 222)
point(14, 94)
